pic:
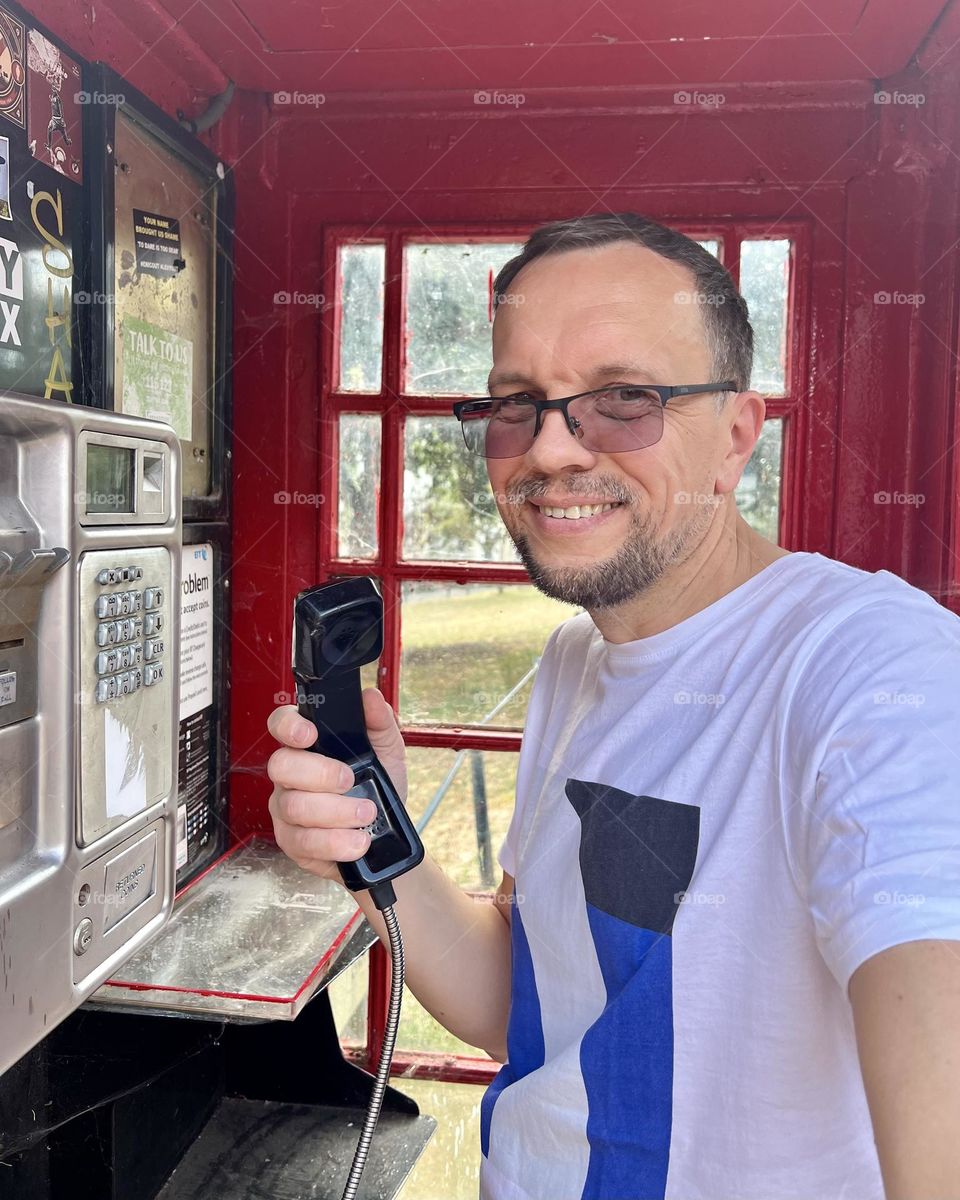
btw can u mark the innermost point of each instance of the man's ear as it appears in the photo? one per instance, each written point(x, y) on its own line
point(742, 418)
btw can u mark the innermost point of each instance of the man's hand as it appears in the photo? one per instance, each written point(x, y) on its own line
point(906, 1009)
point(313, 822)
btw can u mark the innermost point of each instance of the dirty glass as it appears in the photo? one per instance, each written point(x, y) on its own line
point(758, 492)
point(448, 507)
point(448, 315)
point(361, 316)
point(764, 284)
point(462, 802)
point(468, 651)
point(359, 485)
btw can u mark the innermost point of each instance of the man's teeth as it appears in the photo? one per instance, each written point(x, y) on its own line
point(577, 511)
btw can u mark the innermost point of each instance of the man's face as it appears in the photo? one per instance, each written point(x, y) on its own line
point(581, 320)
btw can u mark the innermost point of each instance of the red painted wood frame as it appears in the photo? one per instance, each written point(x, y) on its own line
point(388, 565)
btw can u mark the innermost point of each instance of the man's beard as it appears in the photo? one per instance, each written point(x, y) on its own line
point(639, 563)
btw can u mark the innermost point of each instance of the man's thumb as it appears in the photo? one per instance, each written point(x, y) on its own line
point(382, 727)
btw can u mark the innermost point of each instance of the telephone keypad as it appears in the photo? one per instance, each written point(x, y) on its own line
point(125, 662)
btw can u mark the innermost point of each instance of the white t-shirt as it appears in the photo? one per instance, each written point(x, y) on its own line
point(715, 826)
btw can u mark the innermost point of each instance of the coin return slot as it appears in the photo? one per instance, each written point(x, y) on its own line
point(152, 494)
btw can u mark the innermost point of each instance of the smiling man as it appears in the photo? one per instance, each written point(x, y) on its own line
point(725, 958)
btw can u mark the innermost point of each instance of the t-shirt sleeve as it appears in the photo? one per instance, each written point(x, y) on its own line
point(877, 817)
point(533, 725)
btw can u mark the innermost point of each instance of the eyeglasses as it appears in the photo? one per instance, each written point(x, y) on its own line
point(612, 420)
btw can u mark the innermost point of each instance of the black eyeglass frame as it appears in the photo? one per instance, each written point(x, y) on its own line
point(664, 392)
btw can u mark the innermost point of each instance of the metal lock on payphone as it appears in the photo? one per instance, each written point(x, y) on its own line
point(89, 595)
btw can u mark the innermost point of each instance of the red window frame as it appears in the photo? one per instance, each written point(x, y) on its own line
point(394, 406)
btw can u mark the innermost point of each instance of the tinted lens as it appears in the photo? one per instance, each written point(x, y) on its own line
point(614, 421)
point(503, 432)
point(619, 420)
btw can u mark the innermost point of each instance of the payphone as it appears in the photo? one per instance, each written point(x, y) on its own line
point(89, 595)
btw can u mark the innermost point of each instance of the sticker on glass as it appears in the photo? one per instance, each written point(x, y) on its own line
point(54, 111)
point(157, 375)
point(12, 72)
point(157, 240)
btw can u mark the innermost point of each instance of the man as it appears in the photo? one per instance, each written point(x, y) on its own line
point(727, 931)
point(57, 122)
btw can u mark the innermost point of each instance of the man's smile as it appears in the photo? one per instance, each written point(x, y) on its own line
point(557, 515)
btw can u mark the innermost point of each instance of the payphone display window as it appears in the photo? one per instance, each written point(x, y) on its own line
point(111, 479)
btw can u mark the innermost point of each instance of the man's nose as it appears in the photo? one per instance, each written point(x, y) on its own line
point(556, 449)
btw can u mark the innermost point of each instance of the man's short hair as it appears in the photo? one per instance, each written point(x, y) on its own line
point(723, 310)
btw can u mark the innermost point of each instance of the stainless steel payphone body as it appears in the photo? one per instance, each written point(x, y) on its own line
point(89, 594)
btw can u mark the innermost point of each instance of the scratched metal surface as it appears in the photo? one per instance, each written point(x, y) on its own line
point(253, 929)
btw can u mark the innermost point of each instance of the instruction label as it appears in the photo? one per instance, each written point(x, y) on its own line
point(157, 242)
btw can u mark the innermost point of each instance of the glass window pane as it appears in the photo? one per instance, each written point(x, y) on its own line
point(758, 492)
point(420, 1031)
point(448, 507)
point(466, 648)
point(764, 284)
point(359, 485)
point(361, 271)
point(450, 1163)
point(462, 802)
point(348, 999)
point(448, 315)
point(466, 799)
point(711, 245)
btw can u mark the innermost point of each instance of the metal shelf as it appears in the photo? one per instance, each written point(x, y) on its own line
point(253, 938)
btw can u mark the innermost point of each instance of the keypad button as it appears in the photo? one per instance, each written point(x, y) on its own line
point(107, 662)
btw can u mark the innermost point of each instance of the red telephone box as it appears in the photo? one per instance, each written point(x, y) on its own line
point(379, 163)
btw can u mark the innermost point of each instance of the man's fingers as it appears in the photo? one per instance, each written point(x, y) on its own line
point(288, 727)
point(301, 770)
point(322, 811)
point(320, 845)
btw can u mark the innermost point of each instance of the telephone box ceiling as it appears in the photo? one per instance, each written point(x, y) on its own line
point(372, 45)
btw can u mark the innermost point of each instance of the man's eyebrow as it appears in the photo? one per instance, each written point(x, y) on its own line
point(642, 372)
point(498, 378)
point(635, 370)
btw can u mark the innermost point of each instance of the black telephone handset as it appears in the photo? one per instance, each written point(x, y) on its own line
point(337, 629)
